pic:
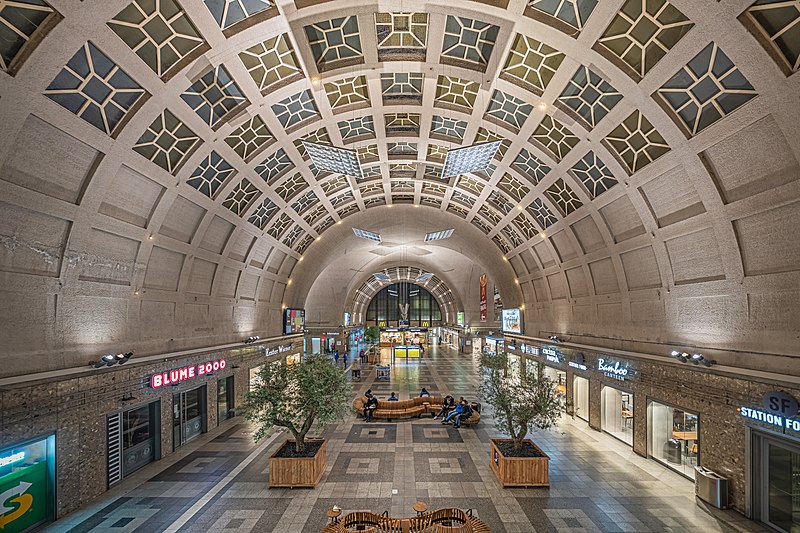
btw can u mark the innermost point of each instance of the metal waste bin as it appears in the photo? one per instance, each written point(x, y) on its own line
point(711, 487)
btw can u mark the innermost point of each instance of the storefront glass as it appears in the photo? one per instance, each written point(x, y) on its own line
point(672, 438)
point(139, 431)
point(559, 377)
point(224, 399)
point(27, 485)
point(616, 407)
point(580, 393)
point(189, 415)
point(776, 482)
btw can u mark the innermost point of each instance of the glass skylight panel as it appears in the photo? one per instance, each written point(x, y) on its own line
point(364, 234)
point(334, 159)
point(422, 278)
point(438, 235)
point(469, 159)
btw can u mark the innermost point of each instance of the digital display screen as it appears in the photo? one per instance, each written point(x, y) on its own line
point(460, 318)
point(512, 321)
point(293, 321)
point(346, 319)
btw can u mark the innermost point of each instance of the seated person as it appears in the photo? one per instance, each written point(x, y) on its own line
point(424, 393)
point(464, 415)
point(367, 396)
point(448, 403)
point(460, 408)
point(393, 397)
point(369, 408)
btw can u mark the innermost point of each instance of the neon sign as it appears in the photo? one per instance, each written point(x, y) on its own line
point(11, 459)
point(613, 369)
point(173, 377)
point(771, 419)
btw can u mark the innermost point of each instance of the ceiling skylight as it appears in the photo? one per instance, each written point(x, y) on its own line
point(438, 235)
point(334, 159)
point(422, 278)
point(364, 234)
point(473, 158)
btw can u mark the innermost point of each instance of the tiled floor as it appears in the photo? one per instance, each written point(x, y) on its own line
point(220, 482)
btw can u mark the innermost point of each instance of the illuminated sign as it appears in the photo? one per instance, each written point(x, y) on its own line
point(780, 403)
point(11, 459)
point(527, 349)
point(553, 359)
point(346, 319)
point(279, 350)
point(460, 318)
point(613, 369)
point(771, 419)
point(550, 351)
point(173, 377)
point(579, 366)
point(512, 321)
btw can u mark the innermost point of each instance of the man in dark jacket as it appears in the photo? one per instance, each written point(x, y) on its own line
point(460, 408)
point(447, 404)
point(369, 408)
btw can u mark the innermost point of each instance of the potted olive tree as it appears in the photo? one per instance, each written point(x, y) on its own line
point(296, 396)
point(522, 403)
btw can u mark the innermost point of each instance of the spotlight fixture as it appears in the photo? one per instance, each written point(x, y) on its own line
point(127, 397)
point(555, 338)
point(111, 359)
point(695, 358)
point(251, 340)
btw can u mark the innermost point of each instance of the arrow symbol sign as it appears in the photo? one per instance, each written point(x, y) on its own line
point(24, 500)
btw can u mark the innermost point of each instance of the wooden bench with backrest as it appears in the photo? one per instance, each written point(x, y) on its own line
point(439, 521)
point(414, 407)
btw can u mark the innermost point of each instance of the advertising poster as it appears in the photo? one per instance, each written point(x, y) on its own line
point(512, 321)
point(460, 318)
point(23, 497)
point(498, 305)
point(293, 321)
point(484, 305)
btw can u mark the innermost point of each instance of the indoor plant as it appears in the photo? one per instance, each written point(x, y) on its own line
point(522, 403)
point(295, 397)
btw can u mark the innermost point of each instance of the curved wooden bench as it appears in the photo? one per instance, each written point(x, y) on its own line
point(410, 408)
point(431, 522)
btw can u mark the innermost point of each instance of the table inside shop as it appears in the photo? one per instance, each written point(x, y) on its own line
point(685, 437)
point(626, 416)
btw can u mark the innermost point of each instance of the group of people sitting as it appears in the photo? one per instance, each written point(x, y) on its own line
point(451, 412)
point(455, 413)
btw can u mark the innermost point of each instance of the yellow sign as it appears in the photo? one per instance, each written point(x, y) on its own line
point(425, 324)
point(382, 324)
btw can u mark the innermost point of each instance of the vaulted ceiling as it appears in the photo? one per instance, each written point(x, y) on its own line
point(155, 192)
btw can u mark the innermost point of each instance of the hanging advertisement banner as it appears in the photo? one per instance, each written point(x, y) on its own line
point(484, 305)
point(498, 305)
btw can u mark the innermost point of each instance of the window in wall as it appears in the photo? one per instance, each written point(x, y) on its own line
point(388, 305)
point(673, 437)
point(617, 414)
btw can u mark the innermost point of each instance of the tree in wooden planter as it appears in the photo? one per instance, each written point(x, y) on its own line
point(296, 396)
point(522, 403)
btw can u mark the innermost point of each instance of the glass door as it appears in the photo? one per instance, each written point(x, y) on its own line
point(781, 500)
point(188, 415)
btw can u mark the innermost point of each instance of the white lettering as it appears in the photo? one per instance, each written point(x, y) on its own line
point(615, 370)
point(13, 458)
point(187, 372)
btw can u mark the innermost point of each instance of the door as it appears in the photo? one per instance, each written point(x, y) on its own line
point(781, 496)
point(188, 415)
point(224, 399)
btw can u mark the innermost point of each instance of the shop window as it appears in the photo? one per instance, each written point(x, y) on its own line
point(617, 414)
point(580, 394)
point(27, 474)
point(673, 437)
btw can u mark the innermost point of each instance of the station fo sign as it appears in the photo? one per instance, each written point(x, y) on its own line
point(173, 377)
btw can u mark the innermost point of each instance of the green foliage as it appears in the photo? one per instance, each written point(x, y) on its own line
point(372, 333)
point(521, 403)
point(298, 395)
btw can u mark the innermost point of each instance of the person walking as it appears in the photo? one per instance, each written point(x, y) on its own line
point(336, 357)
point(344, 355)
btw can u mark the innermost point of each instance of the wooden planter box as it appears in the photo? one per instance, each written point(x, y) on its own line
point(519, 471)
point(297, 471)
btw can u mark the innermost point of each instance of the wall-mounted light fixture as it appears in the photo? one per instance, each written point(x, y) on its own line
point(112, 359)
point(555, 338)
point(695, 358)
point(128, 397)
point(251, 340)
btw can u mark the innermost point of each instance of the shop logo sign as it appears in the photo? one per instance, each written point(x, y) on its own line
point(527, 349)
point(173, 377)
point(11, 459)
point(579, 366)
point(771, 419)
point(15, 495)
point(779, 403)
point(613, 369)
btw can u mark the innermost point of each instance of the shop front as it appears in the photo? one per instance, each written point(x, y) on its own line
point(552, 361)
point(616, 408)
point(494, 345)
point(773, 432)
point(673, 437)
point(133, 439)
point(189, 415)
point(27, 485)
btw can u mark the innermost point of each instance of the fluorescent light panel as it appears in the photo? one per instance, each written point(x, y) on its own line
point(438, 235)
point(334, 159)
point(422, 278)
point(364, 234)
point(469, 159)
point(381, 276)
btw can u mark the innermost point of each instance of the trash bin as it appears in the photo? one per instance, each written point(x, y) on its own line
point(711, 487)
point(672, 451)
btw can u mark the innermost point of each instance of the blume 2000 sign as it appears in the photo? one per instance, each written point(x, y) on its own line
point(172, 377)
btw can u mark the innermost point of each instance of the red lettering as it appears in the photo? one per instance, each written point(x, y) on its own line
point(216, 366)
point(201, 369)
point(155, 381)
point(222, 364)
point(192, 371)
point(209, 368)
point(184, 373)
point(174, 376)
point(165, 378)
